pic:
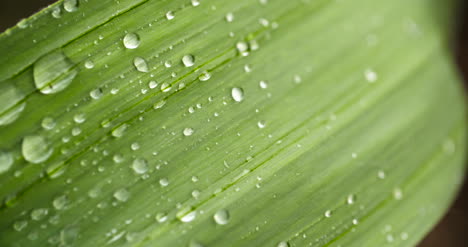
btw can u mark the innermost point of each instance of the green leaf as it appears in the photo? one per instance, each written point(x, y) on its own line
point(229, 123)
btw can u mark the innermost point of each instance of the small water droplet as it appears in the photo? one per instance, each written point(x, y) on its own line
point(57, 12)
point(135, 146)
point(371, 76)
point(397, 193)
point(122, 195)
point(194, 243)
point(152, 84)
point(11, 105)
point(140, 64)
point(355, 221)
point(185, 216)
point(20, 225)
point(261, 124)
point(188, 60)
point(35, 149)
point(159, 104)
point(297, 79)
point(89, 64)
point(381, 174)
point(164, 182)
point(328, 213)
point(166, 87)
point(60, 202)
point(120, 131)
point(70, 5)
point(229, 17)
point(263, 84)
point(221, 217)
point(170, 15)
point(48, 123)
point(195, 194)
point(140, 166)
point(131, 41)
point(161, 217)
point(188, 131)
point(283, 244)
point(76, 131)
point(79, 118)
point(6, 160)
point(96, 93)
point(204, 76)
point(195, 3)
point(94, 192)
point(53, 72)
point(242, 47)
point(351, 199)
point(39, 214)
point(237, 94)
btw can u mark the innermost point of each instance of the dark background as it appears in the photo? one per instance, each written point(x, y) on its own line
point(452, 231)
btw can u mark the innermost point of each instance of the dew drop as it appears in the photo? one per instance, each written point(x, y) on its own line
point(194, 243)
point(53, 72)
point(166, 87)
point(188, 60)
point(237, 94)
point(152, 84)
point(328, 213)
point(35, 149)
point(195, 3)
point(229, 17)
point(60, 202)
point(221, 217)
point(79, 118)
point(140, 64)
point(188, 131)
point(48, 123)
point(297, 79)
point(20, 225)
point(185, 216)
point(70, 5)
point(161, 217)
point(131, 41)
point(381, 174)
point(164, 182)
point(350, 199)
point(170, 15)
point(96, 93)
point(159, 104)
point(6, 160)
point(397, 193)
point(140, 166)
point(261, 124)
point(89, 64)
point(355, 221)
point(120, 131)
point(122, 195)
point(56, 12)
point(11, 105)
point(204, 76)
point(263, 84)
point(371, 76)
point(283, 244)
point(242, 47)
point(39, 214)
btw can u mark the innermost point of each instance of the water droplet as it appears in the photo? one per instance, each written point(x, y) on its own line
point(170, 15)
point(264, 22)
point(79, 118)
point(57, 12)
point(11, 105)
point(6, 160)
point(397, 193)
point(164, 182)
point(229, 17)
point(159, 104)
point(188, 60)
point(96, 93)
point(185, 216)
point(195, 3)
point(39, 214)
point(247, 68)
point(194, 179)
point(165, 87)
point(20, 225)
point(237, 94)
point(351, 199)
point(253, 45)
point(371, 76)
point(195, 194)
point(381, 174)
point(35, 149)
point(89, 64)
point(261, 124)
point(22, 24)
point(297, 79)
point(48, 123)
point(131, 41)
point(204, 76)
point(68, 235)
point(152, 84)
point(54, 72)
point(70, 5)
point(122, 195)
point(140, 64)
point(355, 221)
point(60, 202)
point(140, 166)
point(221, 217)
point(161, 217)
point(120, 131)
point(135, 146)
point(263, 84)
point(242, 47)
point(167, 64)
point(188, 131)
point(328, 213)
point(94, 192)
point(283, 244)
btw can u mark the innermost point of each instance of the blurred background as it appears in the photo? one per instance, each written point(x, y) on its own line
point(452, 230)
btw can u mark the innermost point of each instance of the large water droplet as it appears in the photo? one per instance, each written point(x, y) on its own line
point(170, 15)
point(36, 149)
point(186, 216)
point(229, 17)
point(140, 64)
point(54, 72)
point(70, 5)
point(6, 160)
point(221, 217)
point(122, 195)
point(60, 202)
point(11, 105)
point(131, 41)
point(140, 165)
point(237, 94)
point(188, 60)
point(39, 214)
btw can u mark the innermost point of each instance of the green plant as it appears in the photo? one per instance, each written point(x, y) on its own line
point(229, 123)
